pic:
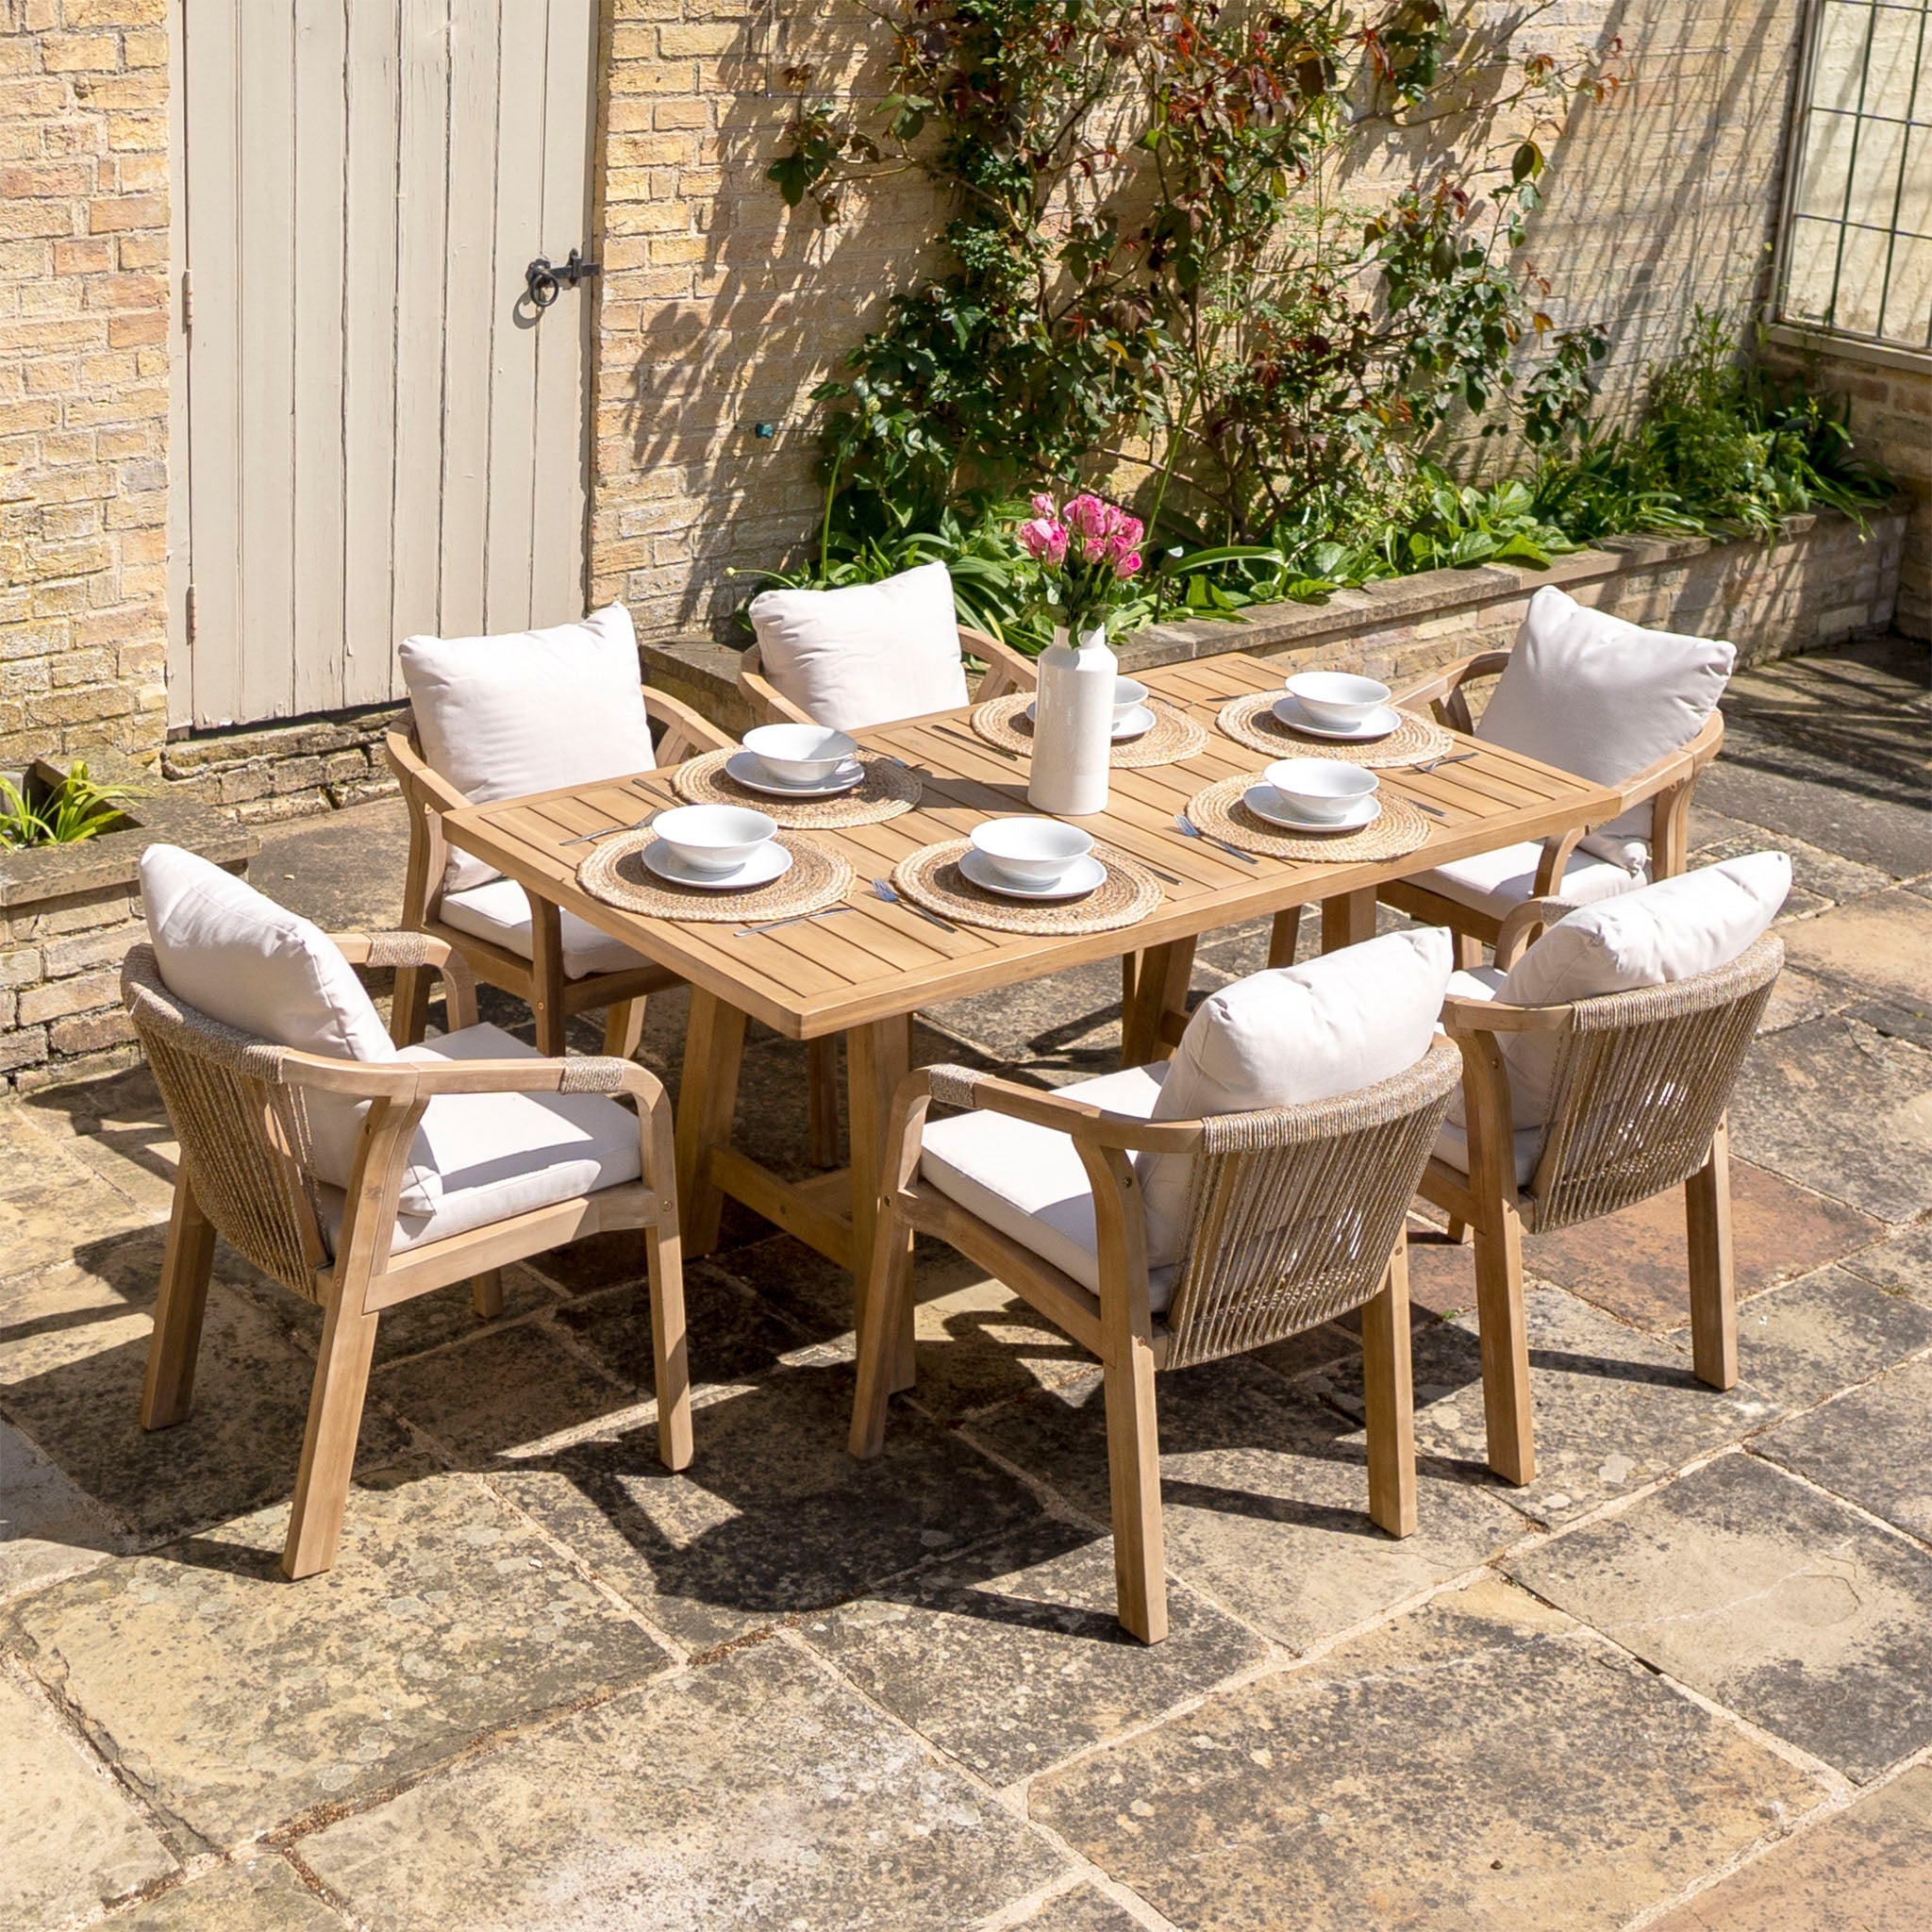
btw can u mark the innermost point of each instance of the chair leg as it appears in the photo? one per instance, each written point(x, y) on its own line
point(1458, 1231)
point(1469, 951)
point(624, 1028)
point(1284, 935)
point(329, 1448)
point(1389, 1400)
point(670, 1354)
point(486, 1293)
point(409, 1011)
point(1505, 1344)
point(1160, 987)
point(1713, 1286)
point(169, 1391)
point(822, 1100)
point(707, 1095)
point(1130, 966)
point(881, 1317)
point(1133, 1461)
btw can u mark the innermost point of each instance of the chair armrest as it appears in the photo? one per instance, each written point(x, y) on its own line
point(770, 706)
point(1005, 668)
point(422, 783)
point(1675, 768)
point(686, 729)
point(1443, 691)
point(1525, 924)
point(963, 1087)
point(416, 949)
point(1467, 1019)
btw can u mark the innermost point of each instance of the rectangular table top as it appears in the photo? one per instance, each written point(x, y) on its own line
point(881, 961)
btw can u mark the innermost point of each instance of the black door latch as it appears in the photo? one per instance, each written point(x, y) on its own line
point(544, 282)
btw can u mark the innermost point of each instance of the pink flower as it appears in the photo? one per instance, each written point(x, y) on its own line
point(1044, 540)
point(1128, 532)
point(1127, 566)
point(1043, 506)
point(1089, 517)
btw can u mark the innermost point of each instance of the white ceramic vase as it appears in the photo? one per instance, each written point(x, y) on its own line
point(1073, 726)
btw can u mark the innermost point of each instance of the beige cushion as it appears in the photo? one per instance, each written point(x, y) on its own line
point(1497, 882)
point(499, 912)
point(1030, 1184)
point(867, 654)
point(498, 1155)
point(1452, 1144)
point(530, 710)
point(1288, 1036)
point(1602, 698)
point(233, 953)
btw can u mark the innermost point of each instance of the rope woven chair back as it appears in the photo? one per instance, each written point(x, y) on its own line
point(1641, 1080)
point(242, 1132)
point(1294, 1210)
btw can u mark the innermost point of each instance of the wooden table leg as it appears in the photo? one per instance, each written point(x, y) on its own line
point(877, 1057)
point(1283, 936)
point(1160, 987)
point(707, 1098)
point(1348, 919)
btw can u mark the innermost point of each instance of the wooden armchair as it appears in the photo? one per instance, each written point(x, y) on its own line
point(1637, 1106)
point(1295, 1216)
point(1006, 670)
point(238, 1107)
point(1666, 786)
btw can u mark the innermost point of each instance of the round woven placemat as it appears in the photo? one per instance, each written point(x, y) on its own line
point(1251, 721)
point(1219, 812)
point(616, 874)
point(931, 878)
point(1173, 736)
point(887, 790)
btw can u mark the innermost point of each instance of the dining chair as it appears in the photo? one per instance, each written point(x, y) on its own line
point(1598, 1062)
point(1161, 1239)
point(361, 1176)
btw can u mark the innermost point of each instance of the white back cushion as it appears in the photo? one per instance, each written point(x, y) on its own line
point(1290, 1036)
point(1671, 930)
point(867, 654)
point(238, 957)
point(1602, 697)
point(527, 711)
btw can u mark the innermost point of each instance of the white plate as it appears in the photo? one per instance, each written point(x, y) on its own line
point(771, 861)
point(1137, 724)
point(1267, 802)
point(1083, 876)
point(1378, 723)
point(750, 772)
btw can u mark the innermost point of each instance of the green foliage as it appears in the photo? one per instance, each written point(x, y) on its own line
point(66, 814)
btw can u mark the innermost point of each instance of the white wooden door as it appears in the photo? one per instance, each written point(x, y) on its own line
point(383, 434)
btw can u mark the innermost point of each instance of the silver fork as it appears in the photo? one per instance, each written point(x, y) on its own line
point(608, 832)
point(1459, 757)
point(793, 919)
point(884, 888)
point(1188, 829)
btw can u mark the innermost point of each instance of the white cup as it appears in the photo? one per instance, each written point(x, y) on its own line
point(1030, 852)
point(712, 839)
point(1323, 790)
point(1333, 699)
point(799, 753)
point(1127, 693)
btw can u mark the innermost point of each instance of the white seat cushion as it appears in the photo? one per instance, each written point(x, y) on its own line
point(233, 953)
point(1452, 1144)
point(530, 710)
point(1497, 882)
point(867, 654)
point(498, 1155)
point(1029, 1183)
point(499, 912)
point(1290, 1036)
point(1602, 698)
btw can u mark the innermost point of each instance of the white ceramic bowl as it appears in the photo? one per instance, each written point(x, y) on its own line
point(799, 753)
point(1127, 693)
point(1031, 851)
point(1322, 788)
point(712, 838)
point(1335, 700)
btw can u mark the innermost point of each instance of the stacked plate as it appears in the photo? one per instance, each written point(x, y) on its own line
point(1316, 795)
point(1333, 704)
point(797, 761)
point(722, 848)
point(1032, 858)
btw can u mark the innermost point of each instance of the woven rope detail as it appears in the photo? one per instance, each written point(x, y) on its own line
point(1294, 1210)
point(592, 1074)
point(1641, 1080)
point(952, 1086)
point(402, 949)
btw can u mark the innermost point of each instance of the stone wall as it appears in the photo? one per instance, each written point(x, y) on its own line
point(84, 285)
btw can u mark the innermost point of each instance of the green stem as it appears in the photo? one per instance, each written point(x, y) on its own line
point(825, 523)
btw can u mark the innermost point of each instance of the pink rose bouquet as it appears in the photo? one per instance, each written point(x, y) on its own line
point(1085, 549)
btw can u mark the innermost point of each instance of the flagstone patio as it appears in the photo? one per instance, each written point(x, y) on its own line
point(1683, 1680)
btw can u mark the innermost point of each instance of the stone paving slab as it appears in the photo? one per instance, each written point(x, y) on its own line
point(414, 1327)
point(258, 1894)
point(1817, 875)
point(1810, 1338)
point(74, 1345)
point(48, 1527)
point(1777, 1602)
point(1264, 1496)
point(1479, 1763)
point(1085, 1908)
point(70, 1840)
point(118, 1128)
point(49, 1202)
point(732, 1335)
point(1009, 1657)
point(1634, 1263)
point(1882, 944)
point(773, 1518)
point(446, 1618)
point(756, 1792)
point(1843, 1111)
point(1614, 1410)
point(1901, 1264)
point(1865, 1870)
point(1871, 1445)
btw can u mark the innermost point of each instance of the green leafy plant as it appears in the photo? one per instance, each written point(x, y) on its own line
point(64, 814)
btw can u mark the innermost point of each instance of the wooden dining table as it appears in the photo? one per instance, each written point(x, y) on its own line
point(865, 971)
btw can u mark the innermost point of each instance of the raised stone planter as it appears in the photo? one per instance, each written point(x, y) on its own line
point(69, 914)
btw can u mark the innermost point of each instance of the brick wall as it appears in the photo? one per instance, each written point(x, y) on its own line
point(83, 374)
